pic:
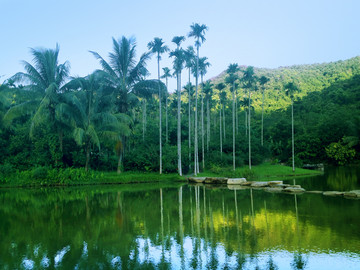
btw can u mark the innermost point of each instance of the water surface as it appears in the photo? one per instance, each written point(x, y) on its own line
point(176, 227)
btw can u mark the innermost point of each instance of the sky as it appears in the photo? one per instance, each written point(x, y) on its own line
point(261, 33)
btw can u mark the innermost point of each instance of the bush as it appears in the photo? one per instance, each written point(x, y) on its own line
point(40, 173)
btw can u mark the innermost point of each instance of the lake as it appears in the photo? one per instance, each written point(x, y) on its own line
point(181, 226)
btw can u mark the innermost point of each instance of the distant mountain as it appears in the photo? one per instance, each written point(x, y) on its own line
point(309, 78)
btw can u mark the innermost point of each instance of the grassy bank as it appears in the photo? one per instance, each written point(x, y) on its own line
point(43, 176)
point(264, 171)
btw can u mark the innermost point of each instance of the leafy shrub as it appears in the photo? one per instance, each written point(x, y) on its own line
point(40, 173)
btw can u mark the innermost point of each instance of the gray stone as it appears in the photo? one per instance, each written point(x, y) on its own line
point(260, 184)
point(247, 183)
point(274, 189)
point(294, 189)
point(216, 180)
point(236, 181)
point(272, 183)
point(333, 193)
point(196, 179)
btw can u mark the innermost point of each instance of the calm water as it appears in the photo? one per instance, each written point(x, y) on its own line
point(178, 227)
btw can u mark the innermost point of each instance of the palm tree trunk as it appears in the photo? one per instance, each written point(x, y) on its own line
point(119, 162)
point(87, 157)
point(189, 122)
point(220, 131)
point(236, 115)
point(208, 125)
point(166, 109)
point(292, 135)
point(224, 121)
point(249, 129)
point(144, 119)
point(262, 120)
point(179, 122)
point(202, 130)
point(246, 123)
point(233, 122)
point(196, 156)
point(160, 129)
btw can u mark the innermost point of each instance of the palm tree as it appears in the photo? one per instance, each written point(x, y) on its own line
point(46, 79)
point(231, 79)
point(166, 76)
point(263, 80)
point(222, 96)
point(208, 88)
point(290, 89)
point(179, 60)
point(126, 77)
point(198, 32)
point(189, 64)
point(203, 65)
point(92, 111)
point(157, 46)
point(249, 81)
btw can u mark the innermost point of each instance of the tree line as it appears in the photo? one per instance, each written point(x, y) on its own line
point(111, 118)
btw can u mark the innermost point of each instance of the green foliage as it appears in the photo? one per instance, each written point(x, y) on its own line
point(339, 153)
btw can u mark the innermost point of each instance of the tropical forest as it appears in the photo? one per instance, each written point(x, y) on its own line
point(255, 168)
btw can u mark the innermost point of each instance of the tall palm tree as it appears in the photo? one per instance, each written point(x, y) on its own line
point(220, 87)
point(203, 65)
point(157, 46)
point(189, 64)
point(166, 76)
point(46, 79)
point(126, 77)
point(178, 62)
point(263, 81)
point(290, 89)
point(231, 79)
point(198, 32)
point(208, 90)
point(249, 81)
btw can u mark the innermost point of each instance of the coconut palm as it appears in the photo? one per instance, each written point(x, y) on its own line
point(222, 97)
point(263, 81)
point(189, 55)
point(290, 89)
point(198, 32)
point(178, 62)
point(126, 76)
point(166, 76)
point(46, 79)
point(92, 111)
point(157, 46)
point(231, 78)
point(249, 82)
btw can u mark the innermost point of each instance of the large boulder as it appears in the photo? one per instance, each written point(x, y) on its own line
point(196, 179)
point(352, 194)
point(259, 184)
point(236, 181)
point(216, 180)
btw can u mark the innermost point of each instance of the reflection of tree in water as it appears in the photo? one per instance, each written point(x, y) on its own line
point(342, 178)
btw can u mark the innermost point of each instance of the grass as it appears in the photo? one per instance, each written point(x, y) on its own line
point(43, 176)
point(264, 171)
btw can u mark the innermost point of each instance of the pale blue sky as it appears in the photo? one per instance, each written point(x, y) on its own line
point(258, 32)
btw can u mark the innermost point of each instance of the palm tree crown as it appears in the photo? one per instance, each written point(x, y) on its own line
point(198, 32)
point(157, 46)
point(177, 40)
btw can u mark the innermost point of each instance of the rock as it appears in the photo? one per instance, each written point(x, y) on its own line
point(236, 181)
point(247, 183)
point(294, 189)
point(280, 185)
point(236, 187)
point(352, 194)
point(196, 179)
point(314, 192)
point(333, 193)
point(274, 189)
point(260, 184)
point(272, 183)
point(216, 180)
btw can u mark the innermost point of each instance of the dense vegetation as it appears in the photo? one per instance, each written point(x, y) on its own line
point(109, 120)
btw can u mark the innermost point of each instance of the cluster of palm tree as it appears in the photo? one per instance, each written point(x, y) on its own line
point(99, 110)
